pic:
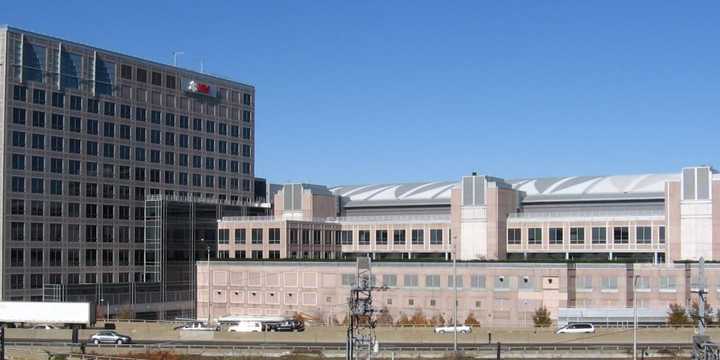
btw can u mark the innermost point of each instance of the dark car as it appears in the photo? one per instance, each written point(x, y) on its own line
point(287, 325)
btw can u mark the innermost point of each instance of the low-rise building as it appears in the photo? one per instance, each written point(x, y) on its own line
point(496, 294)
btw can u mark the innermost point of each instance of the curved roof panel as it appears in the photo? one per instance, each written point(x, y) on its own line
point(572, 188)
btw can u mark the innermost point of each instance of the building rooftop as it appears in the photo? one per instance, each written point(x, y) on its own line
point(571, 188)
point(115, 53)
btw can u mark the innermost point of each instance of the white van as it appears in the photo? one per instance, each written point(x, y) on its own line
point(582, 328)
point(246, 326)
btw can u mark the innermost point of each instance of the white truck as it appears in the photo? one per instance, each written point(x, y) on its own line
point(67, 314)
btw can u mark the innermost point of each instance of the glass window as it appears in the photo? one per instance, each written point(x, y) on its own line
point(33, 62)
point(257, 235)
point(70, 70)
point(534, 236)
point(599, 235)
point(398, 237)
point(477, 281)
point(19, 116)
point(432, 281)
point(556, 236)
point(104, 76)
point(668, 283)
point(411, 281)
point(274, 235)
point(502, 283)
point(583, 283)
point(239, 236)
point(513, 237)
point(609, 283)
point(661, 234)
point(643, 234)
point(348, 279)
point(381, 237)
point(621, 234)
point(577, 235)
point(58, 100)
point(436, 236)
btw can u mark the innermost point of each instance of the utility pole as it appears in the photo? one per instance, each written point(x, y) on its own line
point(175, 55)
point(455, 303)
point(2, 343)
point(703, 347)
point(635, 316)
point(361, 342)
point(202, 240)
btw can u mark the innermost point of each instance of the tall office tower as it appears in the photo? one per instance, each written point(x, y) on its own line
point(87, 135)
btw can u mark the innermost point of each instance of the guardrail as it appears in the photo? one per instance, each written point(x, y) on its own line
point(619, 325)
point(383, 347)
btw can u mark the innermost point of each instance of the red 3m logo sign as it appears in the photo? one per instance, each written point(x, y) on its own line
point(197, 87)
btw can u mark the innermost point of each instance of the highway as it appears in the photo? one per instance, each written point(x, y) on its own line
point(295, 345)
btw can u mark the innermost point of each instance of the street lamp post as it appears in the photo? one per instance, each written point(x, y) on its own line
point(635, 316)
point(455, 304)
point(209, 281)
point(107, 307)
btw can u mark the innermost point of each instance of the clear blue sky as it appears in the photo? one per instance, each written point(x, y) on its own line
point(382, 91)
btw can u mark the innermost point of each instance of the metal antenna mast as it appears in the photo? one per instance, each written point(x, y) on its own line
point(703, 347)
point(361, 341)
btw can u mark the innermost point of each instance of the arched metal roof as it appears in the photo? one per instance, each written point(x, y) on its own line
point(570, 188)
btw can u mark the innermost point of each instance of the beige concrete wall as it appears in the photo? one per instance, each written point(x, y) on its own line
point(318, 289)
point(672, 214)
point(322, 206)
point(455, 216)
point(716, 220)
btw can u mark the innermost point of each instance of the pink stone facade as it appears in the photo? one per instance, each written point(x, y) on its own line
point(647, 218)
point(497, 294)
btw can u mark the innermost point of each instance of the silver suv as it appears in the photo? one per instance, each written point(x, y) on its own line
point(109, 337)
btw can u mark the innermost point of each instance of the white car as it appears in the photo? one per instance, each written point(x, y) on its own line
point(462, 329)
point(196, 326)
point(44, 327)
point(582, 328)
point(246, 326)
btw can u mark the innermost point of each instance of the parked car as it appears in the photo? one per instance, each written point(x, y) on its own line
point(44, 327)
point(462, 329)
point(196, 326)
point(246, 326)
point(580, 328)
point(288, 325)
point(109, 337)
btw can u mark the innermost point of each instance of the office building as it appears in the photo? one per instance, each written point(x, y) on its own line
point(88, 134)
point(645, 218)
point(496, 294)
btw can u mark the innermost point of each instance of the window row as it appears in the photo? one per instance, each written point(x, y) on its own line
point(257, 236)
point(73, 167)
point(54, 257)
point(599, 235)
point(22, 139)
point(476, 281)
point(345, 237)
point(19, 184)
point(39, 119)
point(36, 281)
point(38, 232)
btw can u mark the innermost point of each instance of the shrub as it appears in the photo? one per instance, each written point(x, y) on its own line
point(541, 317)
point(384, 317)
point(437, 320)
point(418, 318)
point(677, 316)
point(471, 320)
point(695, 313)
point(403, 321)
